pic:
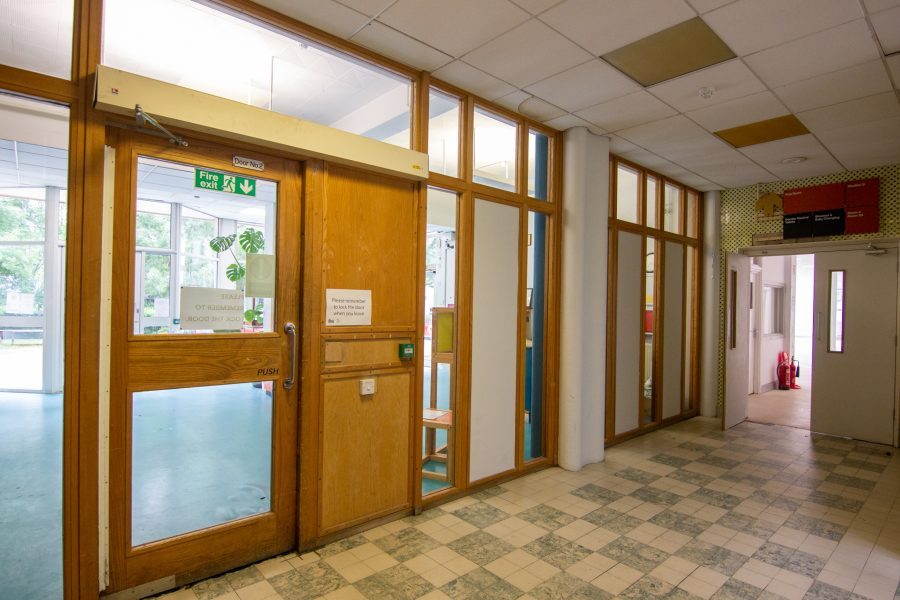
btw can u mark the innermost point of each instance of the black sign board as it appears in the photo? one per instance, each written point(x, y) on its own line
point(798, 225)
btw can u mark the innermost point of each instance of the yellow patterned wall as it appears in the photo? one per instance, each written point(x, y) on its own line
point(739, 224)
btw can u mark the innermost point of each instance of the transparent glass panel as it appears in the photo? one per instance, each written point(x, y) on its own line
point(836, 311)
point(229, 55)
point(439, 385)
point(157, 289)
point(627, 193)
point(538, 154)
point(691, 203)
point(222, 219)
point(495, 151)
point(773, 310)
point(672, 209)
point(201, 457)
point(33, 175)
point(648, 392)
point(443, 133)
point(37, 36)
point(652, 206)
point(153, 224)
point(535, 301)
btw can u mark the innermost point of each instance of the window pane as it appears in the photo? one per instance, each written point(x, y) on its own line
point(21, 220)
point(648, 408)
point(37, 36)
point(538, 152)
point(627, 194)
point(197, 229)
point(672, 209)
point(153, 228)
point(535, 301)
point(443, 133)
point(200, 457)
point(230, 56)
point(157, 288)
point(691, 204)
point(495, 151)
point(652, 206)
point(836, 311)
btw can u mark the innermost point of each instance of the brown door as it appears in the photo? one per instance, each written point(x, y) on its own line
point(203, 397)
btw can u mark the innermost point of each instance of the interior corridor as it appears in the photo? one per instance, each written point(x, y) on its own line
point(685, 512)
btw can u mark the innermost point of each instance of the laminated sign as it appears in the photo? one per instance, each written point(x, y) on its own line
point(211, 308)
point(348, 307)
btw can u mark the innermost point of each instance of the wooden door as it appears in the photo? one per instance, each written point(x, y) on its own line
point(203, 399)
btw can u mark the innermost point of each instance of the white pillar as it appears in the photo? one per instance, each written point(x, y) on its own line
point(582, 386)
point(709, 363)
point(53, 296)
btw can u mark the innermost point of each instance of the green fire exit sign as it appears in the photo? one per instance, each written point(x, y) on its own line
point(223, 182)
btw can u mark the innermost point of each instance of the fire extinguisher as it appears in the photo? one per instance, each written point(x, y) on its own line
point(795, 373)
point(784, 371)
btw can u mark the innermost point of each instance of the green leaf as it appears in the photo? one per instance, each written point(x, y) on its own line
point(222, 243)
point(252, 240)
point(250, 316)
point(234, 272)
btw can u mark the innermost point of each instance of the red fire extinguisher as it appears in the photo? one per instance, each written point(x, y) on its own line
point(784, 371)
point(795, 373)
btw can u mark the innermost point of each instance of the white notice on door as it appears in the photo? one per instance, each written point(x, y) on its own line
point(211, 308)
point(348, 307)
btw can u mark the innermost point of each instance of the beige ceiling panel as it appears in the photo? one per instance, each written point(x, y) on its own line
point(569, 121)
point(868, 145)
point(647, 159)
point(832, 50)
point(513, 100)
point(894, 65)
point(680, 49)
point(704, 6)
point(666, 137)
point(756, 107)
point(368, 7)
point(738, 176)
point(858, 81)
point(471, 79)
point(752, 25)
point(852, 113)
point(400, 47)
point(627, 111)
point(585, 85)
point(604, 25)
point(539, 110)
point(536, 7)
point(771, 155)
point(761, 132)
point(528, 53)
point(887, 27)
point(619, 145)
point(454, 27)
point(874, 6)
point(730, 80)
point(327, 15)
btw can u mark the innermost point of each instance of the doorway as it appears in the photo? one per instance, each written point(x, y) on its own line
point(203, 395)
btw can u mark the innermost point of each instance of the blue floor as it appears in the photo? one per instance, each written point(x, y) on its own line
point(30, 496)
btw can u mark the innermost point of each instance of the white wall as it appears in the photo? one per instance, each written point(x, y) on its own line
point(776, 271)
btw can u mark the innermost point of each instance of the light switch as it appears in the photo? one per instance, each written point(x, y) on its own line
point(366, 387)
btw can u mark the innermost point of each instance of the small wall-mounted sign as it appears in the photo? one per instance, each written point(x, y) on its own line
point(407, 351)
point(248, 163)
point(348, 307)
point(223, 182)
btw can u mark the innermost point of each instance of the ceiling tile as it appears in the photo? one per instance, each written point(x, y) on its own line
point(528, 53)
point(704, 6)
point(673, 137)
point(894, 65)
point(604, 25)
point(618, 145)
point(854, 112)
point(539, 110)
point(471, 79)
point(327, 15)
point(698, 183)
point(400, 47)
point(838, 48)
point(646, 159)
point(874, 6)
point(627, 111)
point(587, 84)
point(536, 7)
point(855, 82)
point(454, 27)
point(368, 7)
point(733, 176)
point(887, 27)
point(749, 109)
point(513, 100)
point(769, 155)
point(730, 79)
point(569, 121)
point(748, 26)
point(868, 145)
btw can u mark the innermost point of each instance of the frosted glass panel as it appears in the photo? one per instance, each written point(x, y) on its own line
point(627, 194)
point(495, 151)
point(628, 347)
point(200, 457)
point(443, 134)
point(37, 36)
point(673, 342)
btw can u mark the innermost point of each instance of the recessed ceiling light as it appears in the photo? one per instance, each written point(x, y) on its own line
point(707, 92)
point(793, 160)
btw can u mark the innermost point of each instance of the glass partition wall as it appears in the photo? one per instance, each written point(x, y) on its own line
point(653, 312)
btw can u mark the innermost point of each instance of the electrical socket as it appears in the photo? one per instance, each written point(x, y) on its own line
point(366, 387)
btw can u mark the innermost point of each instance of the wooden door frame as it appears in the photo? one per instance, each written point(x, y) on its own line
point(239, 541)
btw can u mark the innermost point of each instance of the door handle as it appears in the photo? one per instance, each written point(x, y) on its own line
point(291, 330)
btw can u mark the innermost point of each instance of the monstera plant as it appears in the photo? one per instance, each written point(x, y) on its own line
point(251, 241)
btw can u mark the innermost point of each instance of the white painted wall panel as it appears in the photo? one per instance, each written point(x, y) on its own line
point(492, 443)
point(673, 342)
point(628, 319)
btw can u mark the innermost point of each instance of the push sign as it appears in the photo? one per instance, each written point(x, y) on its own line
point(407, 351)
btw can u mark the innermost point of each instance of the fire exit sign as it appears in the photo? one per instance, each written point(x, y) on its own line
point(223, 182)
